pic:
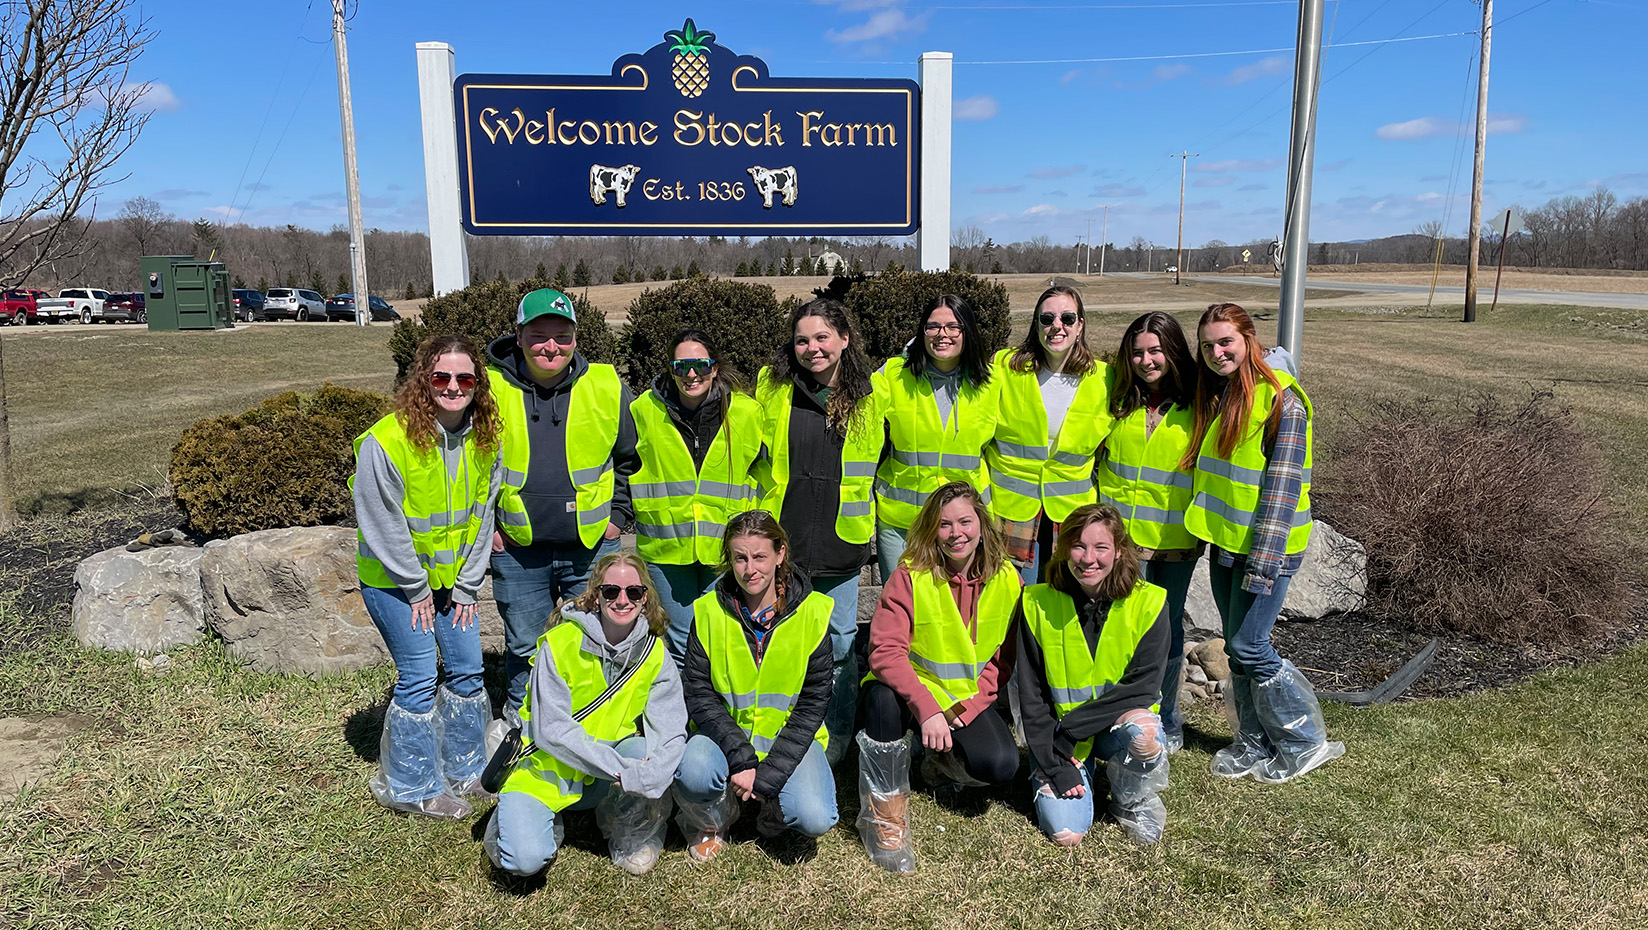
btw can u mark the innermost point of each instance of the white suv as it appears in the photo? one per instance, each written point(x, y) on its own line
point(301, 303)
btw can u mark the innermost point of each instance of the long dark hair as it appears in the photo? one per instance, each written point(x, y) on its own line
point(1178, 383)
point(1233, 395)
point(1124, 570)
point(1032, 355)
point(727, 377)
point(843, 412)
point(765, 525)
point(975, 355)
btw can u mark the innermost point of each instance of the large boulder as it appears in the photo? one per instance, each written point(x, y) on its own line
point(289, 600)
point(1333, 578)
point(144, 602)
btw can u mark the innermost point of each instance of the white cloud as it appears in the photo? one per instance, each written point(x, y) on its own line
point(1264, 67)
point(881, 25)
point(1119, 191)
point(1042, 209)
point(977, 108)
point(1069, 76)
point(1502, 122)
point(1218, 180)
point(156, 97)
point(1422, 128)
point(1169, 72)
point(1428, 196)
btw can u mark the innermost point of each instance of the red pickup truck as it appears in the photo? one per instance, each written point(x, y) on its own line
point(17, 306)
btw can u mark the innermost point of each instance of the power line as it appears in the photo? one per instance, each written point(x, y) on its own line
point(1250, 51)
point(251, 153)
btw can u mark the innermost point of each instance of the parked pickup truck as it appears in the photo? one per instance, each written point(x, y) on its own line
point(82, 303)
point(18, 306)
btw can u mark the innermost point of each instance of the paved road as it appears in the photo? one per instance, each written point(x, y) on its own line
point(1454, 294)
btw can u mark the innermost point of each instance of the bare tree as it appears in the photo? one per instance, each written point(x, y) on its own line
point(143, 220)
point(69, 113)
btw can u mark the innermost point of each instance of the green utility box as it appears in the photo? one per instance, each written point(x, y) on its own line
point(181, 293)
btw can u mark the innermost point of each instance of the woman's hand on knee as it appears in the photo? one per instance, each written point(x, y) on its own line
point(935, 733)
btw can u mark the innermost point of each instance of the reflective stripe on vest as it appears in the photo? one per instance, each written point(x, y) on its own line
point(1030, 471)
point(553, 782)
point(1226, 491)
point(855, 518)
point(443, 510)
point(928, 454)
point(1139, 475)
point(1075, 674)
point(944, 653)
point(760, 698)
point(591, 430)
point(681, 510)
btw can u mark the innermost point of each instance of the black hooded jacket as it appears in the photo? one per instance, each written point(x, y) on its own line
point(813, 496)
point(712, 718)
point(697, 427)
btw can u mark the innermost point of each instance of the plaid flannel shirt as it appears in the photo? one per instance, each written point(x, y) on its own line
point(1278, 501)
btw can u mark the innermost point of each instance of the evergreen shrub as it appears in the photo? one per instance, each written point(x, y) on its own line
point(887, 306)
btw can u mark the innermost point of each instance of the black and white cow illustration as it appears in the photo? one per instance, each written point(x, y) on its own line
point(770, 181)
point(617, 180)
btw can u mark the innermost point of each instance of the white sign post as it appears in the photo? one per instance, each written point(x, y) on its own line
point(448, 254)
point(933, 241)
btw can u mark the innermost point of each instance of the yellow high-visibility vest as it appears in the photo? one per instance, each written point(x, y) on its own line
point(1226, 491)
point(928, 454)
point(944, 653)
point(591, 429)
point(855, 518)
point(1030, 471)
point(761, 697)
point(1139, 475)
point(681, 510)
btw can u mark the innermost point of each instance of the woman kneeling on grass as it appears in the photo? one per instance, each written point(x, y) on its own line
point(1092, 646)
point(939, 653)
point(758, 682)
point(1251, 446)
point(598, 676)
point(425, 478)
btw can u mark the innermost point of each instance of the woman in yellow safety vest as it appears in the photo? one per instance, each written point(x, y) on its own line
point(939, 654)
point(425, 479)
point(940, 413)
point(606, 725)
point(1055, 411)
point(822, 429)
point(1140, 475)
point(1092, 643)
point(698, 435)
point(757, 684)
point(1251, 448)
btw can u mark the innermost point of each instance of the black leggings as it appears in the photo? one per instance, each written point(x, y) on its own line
point(985, 746)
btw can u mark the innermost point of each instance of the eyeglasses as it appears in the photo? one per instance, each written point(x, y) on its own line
point(635, 592)
point(692, 366)
point(441, 379)
point(1067, 318)
point(948, 329)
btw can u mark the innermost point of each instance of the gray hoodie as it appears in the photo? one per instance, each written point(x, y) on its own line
point(379, 495)
point(663, 723)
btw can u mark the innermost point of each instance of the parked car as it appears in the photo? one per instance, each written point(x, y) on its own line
point(45, 313)
point(18, 307)
point(251, 306)
point(342, 307)
point(125, 308)
point(300, 303)
point(82, 303)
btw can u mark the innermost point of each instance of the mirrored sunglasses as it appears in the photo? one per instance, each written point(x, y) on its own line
point(441, 379)
point(692, 366)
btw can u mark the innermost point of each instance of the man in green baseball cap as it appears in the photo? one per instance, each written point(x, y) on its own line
point(568, 454)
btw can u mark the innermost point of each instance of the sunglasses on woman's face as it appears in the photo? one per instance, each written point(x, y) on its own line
point(441, 379)
point(1067, 318)
point(636, 593)
point(692, 366)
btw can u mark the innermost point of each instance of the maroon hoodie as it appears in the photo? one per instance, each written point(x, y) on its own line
point(892, 627)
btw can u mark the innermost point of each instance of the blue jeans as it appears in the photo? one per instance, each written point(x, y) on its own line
point(528, 582)
point(1248, 620)
point(1054, 813)
point(807, 800)
point(1175, 577)
point(529, 834)
point(890, 541)
point(415, 651)
point(843, 589)
point(678, 586)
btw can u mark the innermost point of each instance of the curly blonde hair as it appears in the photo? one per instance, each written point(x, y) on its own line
point(590, 601)
point(415, 406)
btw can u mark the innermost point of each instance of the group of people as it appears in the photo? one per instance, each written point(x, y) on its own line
point(1036, 515)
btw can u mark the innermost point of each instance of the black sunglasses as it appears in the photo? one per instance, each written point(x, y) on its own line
point(636, 593)
point(692, 366)
point(1067, 318)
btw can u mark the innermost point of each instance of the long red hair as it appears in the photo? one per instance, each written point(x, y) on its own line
point(1233, 395)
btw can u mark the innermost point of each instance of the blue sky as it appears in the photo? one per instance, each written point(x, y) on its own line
point(1042, 140)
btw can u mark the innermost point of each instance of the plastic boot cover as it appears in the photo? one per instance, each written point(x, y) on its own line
point(1287, 709)
point(843, 702)
point(1251, 747)
point(495, 733)
point(1135, 795)
point(461, 723)
point(884, 802)
point(409, 768)
point(1172, 717)
point(718, 815)
point(634, 827)
point(489, 840)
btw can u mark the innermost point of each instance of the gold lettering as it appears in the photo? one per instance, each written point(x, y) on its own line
point(649, 133)
point(549, 123)
point(731, 133)
point(751, 131)
point(771, 136)
point(830, 134)
point(503, 125)
point(853, 128)
point(883, 133)
point(807, 127)
point(681, 127)
point(560, 131)
point(490, 130)
point(533, 126)
point(618, 130)
point(648, 188)
point(711, 128)
point(586, 124)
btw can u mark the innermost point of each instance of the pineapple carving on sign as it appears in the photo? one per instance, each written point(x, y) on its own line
point(691, 68)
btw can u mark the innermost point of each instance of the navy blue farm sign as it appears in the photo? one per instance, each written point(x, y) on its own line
point(687, 139)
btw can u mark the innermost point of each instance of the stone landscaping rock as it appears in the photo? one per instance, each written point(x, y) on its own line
point(1333, 578)
point(289, 600)
point(144, 602)
point(1210, 656)
point(491, 622)
point(1201, 615)
point(1195, 673)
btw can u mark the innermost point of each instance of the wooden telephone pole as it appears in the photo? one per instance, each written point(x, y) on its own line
point(1184, 159)
point(351, 175)
point(1476, 172)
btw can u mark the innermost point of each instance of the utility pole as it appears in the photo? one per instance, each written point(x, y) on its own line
point(351, 175)
point(1089, 246)
point(1104, 230)
point(1184, 158)
point(1307, 71)
point(1476, 171)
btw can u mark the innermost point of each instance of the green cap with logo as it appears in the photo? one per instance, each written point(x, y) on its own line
point(545, 301)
